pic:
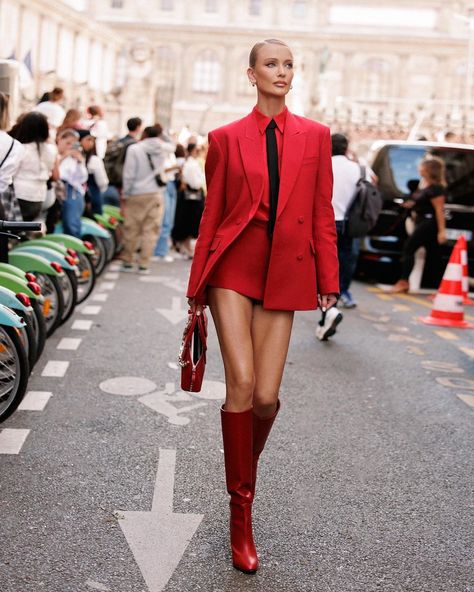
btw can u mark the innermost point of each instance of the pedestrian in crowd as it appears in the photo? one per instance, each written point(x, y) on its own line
point(53, 110)
point(143, 198)
point(98, 127)
point(72, 120)
point(36, 164)
point(346, 174)
point(11, 152)
point(426, 207)
point(97, 180)
point(74, 175)
point(190, 203)
point(114, 160)
point(172, 172)
point(266, 247)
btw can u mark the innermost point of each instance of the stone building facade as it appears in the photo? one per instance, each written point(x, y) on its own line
point(385, 66)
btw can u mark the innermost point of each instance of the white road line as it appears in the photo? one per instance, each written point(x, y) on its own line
point(469, 351)
point(82, 325)
point(70, 343)
point(12, 440)
point(91, 310)
point(55, 369)
point(114, 266)
point(106, 286)
point(35, 401)
point(112, 275)
point(100, 297)
point(448, 335)
point(468, 399)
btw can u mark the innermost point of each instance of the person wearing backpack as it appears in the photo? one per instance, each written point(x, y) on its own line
point(346, 174)
point(114, 159)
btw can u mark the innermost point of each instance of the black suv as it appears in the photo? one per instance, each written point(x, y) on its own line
point(396, 166)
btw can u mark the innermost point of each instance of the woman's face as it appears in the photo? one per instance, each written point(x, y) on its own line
point(273, 71)
point(88, 143)
point(65, 145)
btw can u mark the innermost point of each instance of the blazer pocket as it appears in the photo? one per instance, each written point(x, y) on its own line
point(309, 160)
point(311, 246)
point(215, 243)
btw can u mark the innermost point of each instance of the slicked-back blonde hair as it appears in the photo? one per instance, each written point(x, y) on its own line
point(256, 48)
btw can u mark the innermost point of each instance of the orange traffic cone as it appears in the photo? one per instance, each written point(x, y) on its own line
point(465, 275)
point(448, 308)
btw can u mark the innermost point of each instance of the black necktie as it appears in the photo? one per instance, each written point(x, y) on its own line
point(273, 174)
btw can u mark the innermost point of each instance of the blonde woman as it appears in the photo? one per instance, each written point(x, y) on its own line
point(427, 210)
point(266, 247)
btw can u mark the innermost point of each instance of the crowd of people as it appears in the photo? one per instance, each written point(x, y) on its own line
point(57, 166)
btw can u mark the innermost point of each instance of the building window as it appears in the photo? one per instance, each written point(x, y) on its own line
point(255, 7)
point(375, 80)
point(211, 6)
point(165, 66)
point(299, 8)
point(116, 3)
point(207, 73)
point(167, 5)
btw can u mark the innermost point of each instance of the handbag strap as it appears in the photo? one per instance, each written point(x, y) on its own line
point(7, 154)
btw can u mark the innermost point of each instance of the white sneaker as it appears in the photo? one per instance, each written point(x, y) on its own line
point(143, 271)
point(327, 326)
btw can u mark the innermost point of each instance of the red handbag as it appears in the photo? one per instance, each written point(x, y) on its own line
point(192, 354)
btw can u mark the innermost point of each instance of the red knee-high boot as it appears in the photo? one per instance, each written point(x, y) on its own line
point(261, 429)
point(238, 455)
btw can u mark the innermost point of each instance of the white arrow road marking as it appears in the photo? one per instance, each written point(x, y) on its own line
point(158, 539)
point(35, 401)
point(175, 314)
point(12, 440)
point(97, 586)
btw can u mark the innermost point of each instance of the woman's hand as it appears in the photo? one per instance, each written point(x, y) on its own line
point(195, 308)
point(326, 301)
point(441, 237)
point(408, 204)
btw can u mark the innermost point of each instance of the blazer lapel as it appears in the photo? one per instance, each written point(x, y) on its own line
point(251, 153)
point(294, 143)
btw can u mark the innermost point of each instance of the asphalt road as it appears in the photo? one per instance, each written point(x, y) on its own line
point(118, 483)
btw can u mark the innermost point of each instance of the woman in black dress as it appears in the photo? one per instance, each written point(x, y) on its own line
point(426, 207)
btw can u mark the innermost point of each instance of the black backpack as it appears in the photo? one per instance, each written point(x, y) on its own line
point(114, 160)
point(365, 208)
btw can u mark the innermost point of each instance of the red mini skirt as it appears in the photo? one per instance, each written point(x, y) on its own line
point(243, 266)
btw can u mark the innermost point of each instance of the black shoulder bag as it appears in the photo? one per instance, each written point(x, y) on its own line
point(158, 179)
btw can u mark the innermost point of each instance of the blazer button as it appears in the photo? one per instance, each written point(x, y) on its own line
point(301, 219)
point(300, 257)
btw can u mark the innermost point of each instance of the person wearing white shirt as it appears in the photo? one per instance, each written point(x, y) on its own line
point(98, 180)
point(53, 110)
point(35, 164)
point(346, 174)
point(73, 174)
point(98, 128)
point(190, 202)
point(11, 152)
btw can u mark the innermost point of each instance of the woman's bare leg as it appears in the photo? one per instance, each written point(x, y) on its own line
point(271, 331)
point(232, 314)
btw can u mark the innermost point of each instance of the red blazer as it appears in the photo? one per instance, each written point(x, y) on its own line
point(303, 259)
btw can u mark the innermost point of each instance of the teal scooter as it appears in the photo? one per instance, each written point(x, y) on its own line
point(14, 368)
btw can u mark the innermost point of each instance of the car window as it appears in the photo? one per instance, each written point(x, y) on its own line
point(397, 168)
